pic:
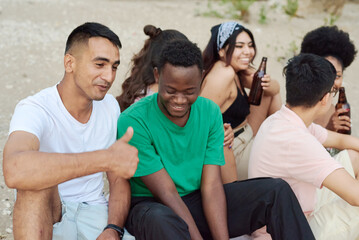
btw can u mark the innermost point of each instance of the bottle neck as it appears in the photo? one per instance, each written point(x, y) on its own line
point(342, 97)
point(262, 66)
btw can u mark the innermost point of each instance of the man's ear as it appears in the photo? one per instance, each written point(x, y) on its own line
point(325, 99)
point(69, 63)
point(156, 74)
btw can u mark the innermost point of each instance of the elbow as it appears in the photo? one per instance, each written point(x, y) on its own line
point(354, 202)
point(10, 175)
point(353, 198)
point(10, 179)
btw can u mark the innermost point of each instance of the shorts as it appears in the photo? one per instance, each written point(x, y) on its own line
point(334, 218)
point(242, 146)
point(80, 221)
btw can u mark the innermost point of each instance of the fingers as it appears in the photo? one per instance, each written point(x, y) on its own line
point(127, 136)
point(228, 135)
point(226, 126)
point(341, 111)
point(342, 122)
point(266, 81)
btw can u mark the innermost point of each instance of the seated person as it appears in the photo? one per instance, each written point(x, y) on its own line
point(290, 146)
point(336, 46)
point(142, 82)
point(62, 139)
point(177, 192)
point(228, 59)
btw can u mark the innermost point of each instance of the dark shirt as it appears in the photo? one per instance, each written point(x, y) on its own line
point(238, 111)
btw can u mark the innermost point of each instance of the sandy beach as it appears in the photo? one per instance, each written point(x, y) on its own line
point(34, 32)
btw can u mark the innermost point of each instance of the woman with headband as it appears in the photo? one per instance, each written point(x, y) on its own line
point(228, 71)
point(336, 46)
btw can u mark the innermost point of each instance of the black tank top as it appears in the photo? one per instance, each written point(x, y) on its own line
point(238, 111)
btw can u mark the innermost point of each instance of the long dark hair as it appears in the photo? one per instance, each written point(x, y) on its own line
point(142, 64)
point(210, 53)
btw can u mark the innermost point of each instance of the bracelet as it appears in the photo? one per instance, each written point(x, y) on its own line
point(118, 229)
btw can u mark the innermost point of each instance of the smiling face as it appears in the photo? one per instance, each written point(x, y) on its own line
point(243, 52)
point(339, 69)
point(178, 89)
point(94, 67)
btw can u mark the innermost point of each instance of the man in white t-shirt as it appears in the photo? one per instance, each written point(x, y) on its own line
point(62, 139)
point(289, 145)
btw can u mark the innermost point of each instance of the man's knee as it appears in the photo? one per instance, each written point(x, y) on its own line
point(44, 197)
point(280, 187)
point(47, 200)
point(163, 217)
point(156, 220)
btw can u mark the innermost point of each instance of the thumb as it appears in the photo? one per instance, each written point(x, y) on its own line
point(128, 135)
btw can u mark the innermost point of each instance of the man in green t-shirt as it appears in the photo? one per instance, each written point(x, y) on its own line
point(177, 191)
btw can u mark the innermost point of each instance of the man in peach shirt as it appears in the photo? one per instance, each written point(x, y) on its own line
point(289, 145)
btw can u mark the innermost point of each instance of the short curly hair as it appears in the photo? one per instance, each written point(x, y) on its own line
point(330, 41)
point(180, 53)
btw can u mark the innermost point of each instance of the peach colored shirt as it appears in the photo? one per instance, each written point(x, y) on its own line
point(285, 148)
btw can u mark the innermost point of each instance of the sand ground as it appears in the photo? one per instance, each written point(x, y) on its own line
point(33, 35)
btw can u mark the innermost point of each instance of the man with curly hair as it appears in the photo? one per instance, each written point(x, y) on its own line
point(177, 191)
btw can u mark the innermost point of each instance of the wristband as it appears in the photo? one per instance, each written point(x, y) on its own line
point(118, 229)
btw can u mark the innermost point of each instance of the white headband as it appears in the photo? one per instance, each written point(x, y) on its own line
point(225, 31)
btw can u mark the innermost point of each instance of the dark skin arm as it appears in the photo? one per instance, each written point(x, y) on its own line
point(337, 122)
point(214, 201)
point(118, 205)
point(162, 187)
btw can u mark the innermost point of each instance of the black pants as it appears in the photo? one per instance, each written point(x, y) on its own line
point(251, 204)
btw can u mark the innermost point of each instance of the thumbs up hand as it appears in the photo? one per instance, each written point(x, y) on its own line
point(123, 158)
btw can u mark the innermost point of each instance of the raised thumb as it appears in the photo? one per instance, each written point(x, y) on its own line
point(128, 135)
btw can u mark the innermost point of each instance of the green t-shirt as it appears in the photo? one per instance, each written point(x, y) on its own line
point(182, 151)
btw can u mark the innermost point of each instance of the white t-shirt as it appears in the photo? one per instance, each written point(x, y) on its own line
point(45, 116)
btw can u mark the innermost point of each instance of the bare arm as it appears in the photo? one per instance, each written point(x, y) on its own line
point(341, 141)
point(162, 187)
point(26, 168)
point(118, 205)
point(344, 185)
point(214, 201)
point(216, 85)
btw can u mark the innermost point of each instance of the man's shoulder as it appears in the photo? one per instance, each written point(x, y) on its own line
point(43, 98)
point(141, 107)
point(206, 104)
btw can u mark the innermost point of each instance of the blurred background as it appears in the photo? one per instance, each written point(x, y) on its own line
point(33, 35)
